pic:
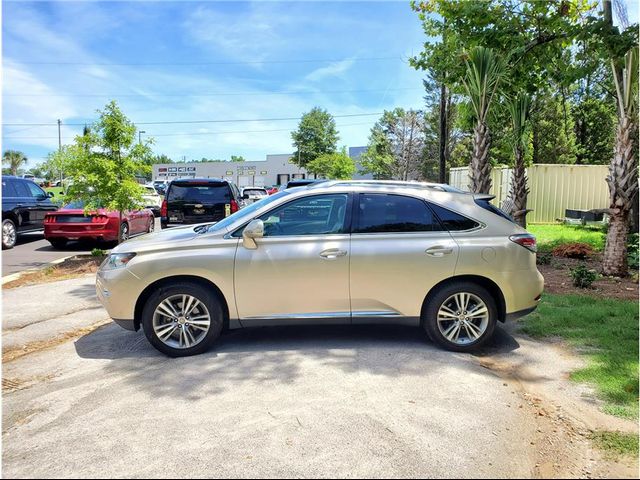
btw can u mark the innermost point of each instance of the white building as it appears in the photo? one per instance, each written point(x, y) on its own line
point(275, 170)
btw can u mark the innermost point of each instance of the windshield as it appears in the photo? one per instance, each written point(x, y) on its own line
point(247, 211)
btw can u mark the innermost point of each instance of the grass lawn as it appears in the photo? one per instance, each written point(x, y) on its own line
point(604, 330)
point(616, 443)
point(549, 236)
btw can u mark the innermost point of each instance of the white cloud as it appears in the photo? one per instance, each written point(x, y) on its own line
point(335, 69)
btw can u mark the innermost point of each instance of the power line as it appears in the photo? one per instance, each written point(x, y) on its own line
point(203, 133)
point(214, 94)
point(249, 62)
point(177, 122)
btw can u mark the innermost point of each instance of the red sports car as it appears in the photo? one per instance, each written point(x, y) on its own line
point(70, 223)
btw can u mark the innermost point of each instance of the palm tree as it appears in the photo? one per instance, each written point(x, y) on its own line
point(14, 159)
point(623, 170)
point(519, 110)
point(484, 72)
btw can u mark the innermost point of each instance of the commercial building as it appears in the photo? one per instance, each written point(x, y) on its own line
point(275, 170)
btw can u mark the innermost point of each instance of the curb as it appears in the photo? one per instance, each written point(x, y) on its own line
point(14, 276)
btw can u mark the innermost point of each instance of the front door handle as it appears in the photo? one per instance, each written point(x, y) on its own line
point(439, 251)
point(333, 253)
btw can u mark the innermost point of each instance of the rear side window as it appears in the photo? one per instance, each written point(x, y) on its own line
point(453, 221)
point(380, 213)
point(199, 193)
point(8, 188)
point(22, 189)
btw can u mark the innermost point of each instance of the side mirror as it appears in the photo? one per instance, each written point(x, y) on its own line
point(254, 230)
point(50, 194)
point(245, 196)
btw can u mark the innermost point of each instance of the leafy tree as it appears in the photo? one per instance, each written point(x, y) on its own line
point(484, 70)
point(338, 166)
point(106, 161)
point(595, 121)
point(396, 146)
point(553, 138)
point(59, 162)
point(519, 109)
point(237, 158)
point(15, 159)
point(162, 158)
point(315, 136)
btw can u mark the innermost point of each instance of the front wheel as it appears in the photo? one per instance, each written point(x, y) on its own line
point(124, 232)
point(9, 234)
point(182, 319)
point(460, 316)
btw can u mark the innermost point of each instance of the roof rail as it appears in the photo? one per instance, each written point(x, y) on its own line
point(443, 187)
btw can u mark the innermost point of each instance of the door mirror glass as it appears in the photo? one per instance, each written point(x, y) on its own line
point(254, 230)
point(50, 194)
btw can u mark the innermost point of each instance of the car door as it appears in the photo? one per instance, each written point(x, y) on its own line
point(300, 269)
point(25, 206)
point(399, 250)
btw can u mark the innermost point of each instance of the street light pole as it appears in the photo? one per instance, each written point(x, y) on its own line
point(140, 132)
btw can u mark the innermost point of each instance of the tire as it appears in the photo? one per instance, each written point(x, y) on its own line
point(175, 330)
point(152, 225)
point(9, 234)
point(463, 333)
point(58, 242)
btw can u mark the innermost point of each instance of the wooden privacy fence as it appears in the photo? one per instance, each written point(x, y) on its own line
point(552, 188)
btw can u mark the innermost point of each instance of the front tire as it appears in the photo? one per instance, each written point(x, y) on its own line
point(9, 234)
point(182, 319)
point(124, 231)
point(460, 317)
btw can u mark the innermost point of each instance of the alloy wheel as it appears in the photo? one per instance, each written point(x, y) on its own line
point(181, 321)
point(124, 232)
point(463, 318)
point(8, 234)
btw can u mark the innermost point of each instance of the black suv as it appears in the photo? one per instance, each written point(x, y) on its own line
point(24, 205)
point(199, 200)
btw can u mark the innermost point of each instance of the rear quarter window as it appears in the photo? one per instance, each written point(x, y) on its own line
point(453, 221)
point(8, 188)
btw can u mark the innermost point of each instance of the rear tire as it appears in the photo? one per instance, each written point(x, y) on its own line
point(460, 317)
point(58, 242)
point(171, 334)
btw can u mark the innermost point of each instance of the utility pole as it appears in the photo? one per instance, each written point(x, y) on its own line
point(140, 132)
point(60, 149)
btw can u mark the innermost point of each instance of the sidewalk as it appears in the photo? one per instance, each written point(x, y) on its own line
point(46, 311)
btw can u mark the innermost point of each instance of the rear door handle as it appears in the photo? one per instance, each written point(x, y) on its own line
point(332, 253)
point(439, 251)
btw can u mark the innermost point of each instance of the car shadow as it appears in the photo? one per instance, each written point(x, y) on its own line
point(275, 354)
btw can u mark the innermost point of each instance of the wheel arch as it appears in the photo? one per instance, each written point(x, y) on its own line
point(167, 281)
point(485, 282)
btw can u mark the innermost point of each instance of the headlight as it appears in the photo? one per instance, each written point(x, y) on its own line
point(116, 260)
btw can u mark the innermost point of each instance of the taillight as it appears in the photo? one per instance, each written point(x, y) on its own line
point(234, 206)
point(527, 240)
point(98, 218)
point(49, 219)
point(163, 209)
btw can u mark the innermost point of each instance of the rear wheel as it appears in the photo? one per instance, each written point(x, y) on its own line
point(9, 234)
point(58, 242)
point(182, 319)
point(152, 225)
point(460, 316)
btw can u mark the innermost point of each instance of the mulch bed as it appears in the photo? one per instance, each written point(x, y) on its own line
point(70, 268)
point(558, 280)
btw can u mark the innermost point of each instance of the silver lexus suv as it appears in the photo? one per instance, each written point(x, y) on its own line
point(336, 252)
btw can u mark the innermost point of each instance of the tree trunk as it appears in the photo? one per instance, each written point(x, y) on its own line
point(443, 134)
point(623, 187)
point(119, 227)
point(480, 175)
point(615, 252)
point(519, 190)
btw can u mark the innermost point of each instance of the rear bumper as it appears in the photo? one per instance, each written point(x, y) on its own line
point(519, 314)
point(84, 231)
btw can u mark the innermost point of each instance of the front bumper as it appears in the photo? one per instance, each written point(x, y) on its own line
point(118, 290)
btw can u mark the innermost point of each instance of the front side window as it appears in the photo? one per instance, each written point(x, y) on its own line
point(381, 213)
point(316, 215)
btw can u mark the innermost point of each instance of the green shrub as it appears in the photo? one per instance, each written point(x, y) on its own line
point(583, 277)
point(98, 252)
point(543, 258)
point(632, 252)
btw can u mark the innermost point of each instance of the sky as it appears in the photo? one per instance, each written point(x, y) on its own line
point(215, 64)
point(190, 61)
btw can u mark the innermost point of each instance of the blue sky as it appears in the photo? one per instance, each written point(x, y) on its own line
point(192, 61)
point(173, 61)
